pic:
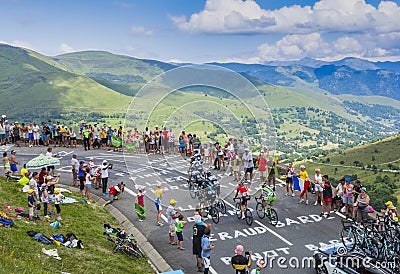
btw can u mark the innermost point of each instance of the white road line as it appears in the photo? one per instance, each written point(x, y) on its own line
point(130, 191)
point(212, 270)
point(273, 232)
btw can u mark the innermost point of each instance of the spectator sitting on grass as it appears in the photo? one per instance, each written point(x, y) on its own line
point(114, 192)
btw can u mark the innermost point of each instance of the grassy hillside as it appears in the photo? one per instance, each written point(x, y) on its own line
point(34, 89)
point(375, 164)
point(19, 253)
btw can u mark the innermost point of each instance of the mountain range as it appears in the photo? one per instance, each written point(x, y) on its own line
point(98, 85)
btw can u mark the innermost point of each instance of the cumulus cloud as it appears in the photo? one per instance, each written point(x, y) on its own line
point(65, 48)
point(138, 30)
point(238, 16)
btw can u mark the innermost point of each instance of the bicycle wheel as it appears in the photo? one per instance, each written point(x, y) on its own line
point(238, 211)
point(260, 210)
point(348, 238)
point(371, 248)
point(249, 217)
point(193, 191)
point(214, 215)
point(221, 206)
point(273, 217)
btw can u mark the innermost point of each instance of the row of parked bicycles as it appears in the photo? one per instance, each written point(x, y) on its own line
point(204, 186)
point(379, 239)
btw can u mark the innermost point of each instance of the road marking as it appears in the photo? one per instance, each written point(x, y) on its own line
point(273, 232)
point(212, 270)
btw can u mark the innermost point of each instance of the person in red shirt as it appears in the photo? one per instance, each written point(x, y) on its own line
point(139, 205)
point(114, 192)
point(244, 195)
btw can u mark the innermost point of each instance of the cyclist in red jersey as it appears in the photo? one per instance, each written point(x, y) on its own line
point(244, 193)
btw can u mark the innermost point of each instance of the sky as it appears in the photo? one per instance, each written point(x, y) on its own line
point(199, 31)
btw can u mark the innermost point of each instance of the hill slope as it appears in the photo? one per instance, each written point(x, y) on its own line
point(32, 88)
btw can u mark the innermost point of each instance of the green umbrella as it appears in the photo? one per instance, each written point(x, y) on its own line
point(42, 161)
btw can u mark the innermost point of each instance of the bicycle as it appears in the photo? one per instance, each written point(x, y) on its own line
point(128, 246)
point(211, 210)
point(267, 210)
point(247, 213)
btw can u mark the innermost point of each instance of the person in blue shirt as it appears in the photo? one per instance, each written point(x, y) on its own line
point(110, 132)
point(206, 249)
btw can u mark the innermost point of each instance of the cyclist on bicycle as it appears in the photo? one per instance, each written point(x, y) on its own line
point(244, 193)
point(267, 195)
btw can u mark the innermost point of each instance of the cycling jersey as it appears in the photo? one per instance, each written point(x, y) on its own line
point(240, 263)
point(243, 191)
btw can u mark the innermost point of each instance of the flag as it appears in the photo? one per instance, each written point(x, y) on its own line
point(298, 184)
point(141, 211)
point(116, 141)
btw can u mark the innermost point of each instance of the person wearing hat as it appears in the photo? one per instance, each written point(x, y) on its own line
point(57, 200)
point(159, 194)
point(105, 166)
point(361, 204)
point(303, 175)
point(207, 248)
point(51, 185)
point(172, 215)
point(239, 262)
point(391, 211)
point(31, 203)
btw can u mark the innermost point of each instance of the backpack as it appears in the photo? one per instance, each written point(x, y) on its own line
point(6, 222)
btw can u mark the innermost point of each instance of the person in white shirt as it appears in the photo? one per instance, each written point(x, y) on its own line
point(248, 164)
point(75, 169)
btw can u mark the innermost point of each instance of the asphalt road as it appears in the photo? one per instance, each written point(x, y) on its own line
point(299, 232)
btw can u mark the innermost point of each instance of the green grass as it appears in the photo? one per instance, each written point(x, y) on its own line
point(19, 253)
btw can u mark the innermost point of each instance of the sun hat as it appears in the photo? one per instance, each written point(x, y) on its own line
point(159, 184)
point(91, 159)
point(389, 203)
point(246, 149)
point(197, 218)
point(317, 170)
point(56, 191)
point(104, 162)
point(48, 178)
point(302, 166)
point(364, 189)
point(30, 191)
point(239, 250)
point(391, 207)
point(172, 202)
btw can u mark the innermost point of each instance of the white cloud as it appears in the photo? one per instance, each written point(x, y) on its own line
point(65, 48)
point(138, 30)
point(238, 16)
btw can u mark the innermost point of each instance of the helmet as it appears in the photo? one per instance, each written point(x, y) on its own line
point(261, 263)
point(208, 173)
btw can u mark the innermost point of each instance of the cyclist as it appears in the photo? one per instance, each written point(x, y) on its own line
point(267, 195)
point(244, 192)
point(239, 262)
point(260, 265)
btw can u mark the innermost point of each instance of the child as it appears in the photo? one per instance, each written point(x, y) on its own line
point(260, 265)
point(45, 200)
point(58, 197)
point(88, 185)
point(179, 227)
point(31, 203)
point(327, 196)
point(157, 202)
point(139, 205)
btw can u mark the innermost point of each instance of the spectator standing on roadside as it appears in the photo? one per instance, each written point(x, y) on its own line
point(86, 137)
point(31, 203)
point(49, 153)
point(198, 232)
point(2, 133)
point(33, 185)
point(171, 140)
point(51, 185)
point(289, 178)
point(318, 186)
point(75, 169)
point(248, 164)
point(361, 204)
point(271, 173)
point(81, 176)
point(327, 195)
point(240, 148)
point(88, 183)
point(105, 166)
point(262, 167)
point(206, 249)
point(159, 194)
point(6, 163)
point(45, 200)
point(172, 215)
point(179, 234)
point(236, 166)
point(348, 199)
point(356, 191)
point(139, 204)
point(338, 194)
point(303, 175)
point(239, 262)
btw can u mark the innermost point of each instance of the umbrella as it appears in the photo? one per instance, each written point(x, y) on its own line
point(42, 161)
